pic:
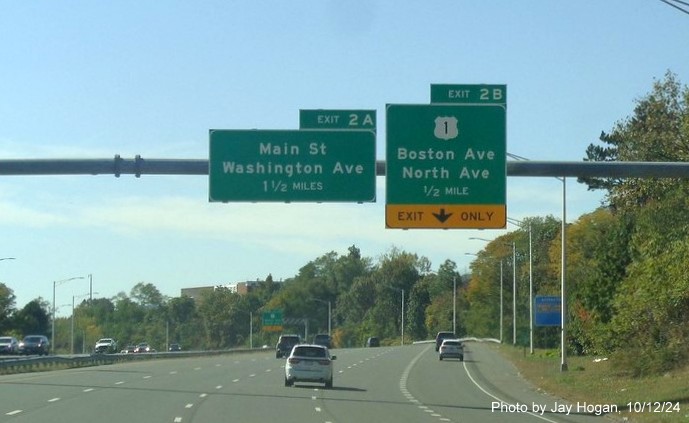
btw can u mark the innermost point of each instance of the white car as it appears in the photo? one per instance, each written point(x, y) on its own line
point(9, 345)
point(309, 363)
point(451, 348)
point(105, 346)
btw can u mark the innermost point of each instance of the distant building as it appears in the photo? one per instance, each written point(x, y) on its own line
point(244, 288)
point(241, 288)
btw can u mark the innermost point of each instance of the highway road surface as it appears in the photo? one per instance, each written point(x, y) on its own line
point(386, 384)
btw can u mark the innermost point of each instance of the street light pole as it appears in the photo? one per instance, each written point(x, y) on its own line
point(403, 317)
point(514, 294)
point(502, 284)
point(521, 225)
point(90, 294)
point(514, 289)
point(563, 276)
point(330, 318)
point(563, 340)
point(454, 305)
point(329, 314)
point(56, 283)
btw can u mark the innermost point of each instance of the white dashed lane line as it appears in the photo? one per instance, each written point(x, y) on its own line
point(410, 397)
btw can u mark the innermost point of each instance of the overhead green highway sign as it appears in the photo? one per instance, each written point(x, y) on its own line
point(337, 119)
point(272, 320)
point(292, 165)
point(446, 166)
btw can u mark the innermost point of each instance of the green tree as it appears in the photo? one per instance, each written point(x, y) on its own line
point(639, 258)
point(419, 300)
point(128, 321)
point(649, 326)
point(658, 131)
point(100, 311)
point(33, 318)
point(598, 256)
point(397, 273)
point(7, 307)
point(147, 295)
point(225, 317)
point(482, 315)
point(438, 310)
point(183, 322)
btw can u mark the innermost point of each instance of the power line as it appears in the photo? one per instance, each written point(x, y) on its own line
point(676, 3)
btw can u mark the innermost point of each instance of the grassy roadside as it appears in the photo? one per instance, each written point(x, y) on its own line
point(598, 383)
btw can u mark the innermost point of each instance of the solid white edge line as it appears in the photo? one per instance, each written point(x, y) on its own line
point(499, 399)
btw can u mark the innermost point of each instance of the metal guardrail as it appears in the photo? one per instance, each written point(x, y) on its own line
point(57, 362)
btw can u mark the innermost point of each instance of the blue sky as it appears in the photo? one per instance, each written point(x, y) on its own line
point(90, 80)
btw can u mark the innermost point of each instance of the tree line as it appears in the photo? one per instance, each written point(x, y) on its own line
point(628, 290)
point(364, 298)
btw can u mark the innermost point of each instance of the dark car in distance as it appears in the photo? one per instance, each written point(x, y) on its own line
point(34, 344)
point(323, 339)
point(144, 347)
point(373, 342)
point(285, 345)
point(129, 349)
point(443, 335)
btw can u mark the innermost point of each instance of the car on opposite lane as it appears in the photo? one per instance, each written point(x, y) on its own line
point(451, 348)
point(105, 346)
point(144, 347)
point(9, 345)
point(34, 344)
point(309, 363)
